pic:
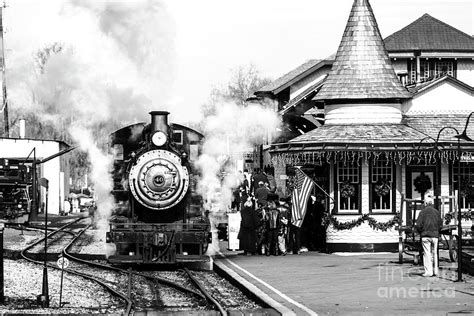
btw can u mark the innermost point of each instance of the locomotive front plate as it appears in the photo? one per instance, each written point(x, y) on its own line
point(158, 180)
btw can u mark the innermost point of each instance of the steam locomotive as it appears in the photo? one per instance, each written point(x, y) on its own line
point(158, 218)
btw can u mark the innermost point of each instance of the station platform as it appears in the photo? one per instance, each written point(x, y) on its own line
point(315, 283)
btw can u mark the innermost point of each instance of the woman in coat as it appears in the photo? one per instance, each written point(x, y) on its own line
point(248, 229)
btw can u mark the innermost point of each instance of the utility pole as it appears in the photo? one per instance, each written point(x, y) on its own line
point(6, 123)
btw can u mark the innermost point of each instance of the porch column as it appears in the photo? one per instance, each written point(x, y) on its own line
point(365, 203)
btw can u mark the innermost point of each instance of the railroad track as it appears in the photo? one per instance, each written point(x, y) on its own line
point(150, 292)
point(140, 291)
point(110, 289)
point(147, 291)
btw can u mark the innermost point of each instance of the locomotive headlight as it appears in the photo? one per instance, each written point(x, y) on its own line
point(159, 138)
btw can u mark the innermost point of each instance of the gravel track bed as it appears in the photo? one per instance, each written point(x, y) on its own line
point(92, 241)
point(17, 240)
point(112, 278)
point(225, 293)
point(56, 243)
point(23, 282)
point(170, 299)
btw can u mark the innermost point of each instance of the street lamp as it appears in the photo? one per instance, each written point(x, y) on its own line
point(462, 136)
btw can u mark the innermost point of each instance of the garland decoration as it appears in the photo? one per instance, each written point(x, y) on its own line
point(422, 183)
point(347, 190)
point(383, 187)
point(330, 219)
point(468, 215)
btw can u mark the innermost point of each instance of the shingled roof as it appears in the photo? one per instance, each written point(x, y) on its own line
point(292, 76)
point(429, 34)
point(434, 81)
point(361, 134)
point(432, 124)
point(362, 69)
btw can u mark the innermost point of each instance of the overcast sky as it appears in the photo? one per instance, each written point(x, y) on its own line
point(214, 36)
point(209, 38)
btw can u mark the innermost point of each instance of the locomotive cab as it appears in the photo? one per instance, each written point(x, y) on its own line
point(154, 193)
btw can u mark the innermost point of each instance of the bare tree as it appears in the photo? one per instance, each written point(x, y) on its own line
point(244, 82)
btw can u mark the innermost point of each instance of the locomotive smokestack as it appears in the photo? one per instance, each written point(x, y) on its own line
point(159, 121)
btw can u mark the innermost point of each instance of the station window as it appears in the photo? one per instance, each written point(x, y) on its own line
point(467, 183)
point(381, 185)
point(444, 67)
point(424, 70)
point(348, 187)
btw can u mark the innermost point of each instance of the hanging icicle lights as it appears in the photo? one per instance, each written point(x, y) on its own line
point(359, 157)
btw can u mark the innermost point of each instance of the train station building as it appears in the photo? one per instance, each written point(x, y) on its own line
point(56, 170)
point(376, 123)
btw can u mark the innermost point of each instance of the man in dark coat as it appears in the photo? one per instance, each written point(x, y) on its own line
point(429, 224)
point(261, 194)
point(248, 229)
point(257, 177)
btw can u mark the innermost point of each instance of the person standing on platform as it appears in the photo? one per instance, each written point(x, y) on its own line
point(258, 177)
point(429, 224)
point(236, 199)
point(261, 194)
point(248, 229)
point(294, 239)
point(67, 207)
point(272, 222)
point(271, 182)
point(283, 231)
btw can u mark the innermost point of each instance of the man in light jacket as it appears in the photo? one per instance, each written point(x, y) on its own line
point(429, 224)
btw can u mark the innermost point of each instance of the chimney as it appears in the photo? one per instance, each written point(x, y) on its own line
point(22, 128)
point(159, 121)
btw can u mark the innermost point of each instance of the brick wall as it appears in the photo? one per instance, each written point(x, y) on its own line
point(280, 170)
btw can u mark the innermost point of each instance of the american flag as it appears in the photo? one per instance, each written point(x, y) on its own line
point(299, 199)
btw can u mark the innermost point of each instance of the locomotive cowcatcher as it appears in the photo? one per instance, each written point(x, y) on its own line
point(158, 218)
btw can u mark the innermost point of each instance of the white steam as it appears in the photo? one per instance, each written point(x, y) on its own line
point(230, 133)
point(92, 65)
point(116, 58)
point(101, 165)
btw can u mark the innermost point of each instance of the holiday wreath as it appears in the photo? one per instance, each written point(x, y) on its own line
point(383, 187)
point(347, 190)
point(422, 183)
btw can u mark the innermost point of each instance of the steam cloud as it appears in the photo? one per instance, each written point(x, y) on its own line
point(232, 131)
point(89, 64)
point(109, 63)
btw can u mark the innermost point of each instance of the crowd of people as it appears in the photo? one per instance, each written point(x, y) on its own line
point(266, 227)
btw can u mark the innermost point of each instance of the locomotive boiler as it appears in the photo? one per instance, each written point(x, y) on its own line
point(158, 218)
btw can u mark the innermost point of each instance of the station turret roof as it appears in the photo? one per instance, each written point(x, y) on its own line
point(362, 68)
